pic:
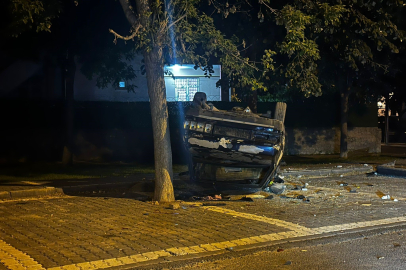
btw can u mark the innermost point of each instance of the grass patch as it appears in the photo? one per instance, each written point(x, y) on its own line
point(55, 171)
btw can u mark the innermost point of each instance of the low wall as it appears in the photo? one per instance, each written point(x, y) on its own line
point(117, 131)
point(311, 141)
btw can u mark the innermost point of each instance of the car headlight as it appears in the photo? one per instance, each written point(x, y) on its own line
point(186, 124)
point(207, 128)
point(200, 127)
point(192, 125)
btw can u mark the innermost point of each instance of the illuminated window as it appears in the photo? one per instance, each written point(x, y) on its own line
point(122, 85)
point(186, 88)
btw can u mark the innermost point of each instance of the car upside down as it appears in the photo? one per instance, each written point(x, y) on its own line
point(233, 149)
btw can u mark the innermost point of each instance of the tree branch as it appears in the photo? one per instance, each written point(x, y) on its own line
point(116, 36)
point(180, 18)
point(132, 20)
point(129, 12)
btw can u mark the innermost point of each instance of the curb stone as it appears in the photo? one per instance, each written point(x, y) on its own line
point(327, 172)
point(386, 170)
point(18, 194)
point(5, 195)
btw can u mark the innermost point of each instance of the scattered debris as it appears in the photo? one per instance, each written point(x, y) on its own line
point(339, 166)
point(350, 190)
point(380, 257)
point(304, 250)
point(396, 245)
point(174, 206)
point(366, 165)
point(288, 263)
point(210, 198)
point(279, 179)
point(247, 199)
point(300, 197)
point(255, 196)
point(395, 200)
point(278, 188)
point(383, 196)
point(366, 204)
point(184, 207)
point(371, 174)
point(270, 197)
point(390, 164)
point(155, 202)
point(214, 204)
point(279, 250)
point(341, 175)
point(230, 249)
point(342, 184)
point(267, 189)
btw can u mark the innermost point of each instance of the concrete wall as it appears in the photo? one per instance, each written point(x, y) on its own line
point(310, 141)
point(86, 90)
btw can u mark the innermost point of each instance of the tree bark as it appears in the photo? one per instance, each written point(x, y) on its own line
point(253, 101)
point(69, 78)
point(160, 126)
point(344, 96)
point(225, 87)
point(387, 118)
point(154, 66)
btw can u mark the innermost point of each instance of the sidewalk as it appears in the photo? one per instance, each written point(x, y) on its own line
point(104, 232)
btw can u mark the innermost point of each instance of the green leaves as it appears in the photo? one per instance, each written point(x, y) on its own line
point(354, 37)
point(31, 14)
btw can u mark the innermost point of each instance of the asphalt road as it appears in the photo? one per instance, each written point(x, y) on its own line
point(382, 251)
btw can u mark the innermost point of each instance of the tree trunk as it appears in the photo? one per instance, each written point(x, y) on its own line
point(387, 118)
point(253, 101)
point(225, 87)
point(344, 95)
point(154, 66)
point(69, 69)
point(160, 125)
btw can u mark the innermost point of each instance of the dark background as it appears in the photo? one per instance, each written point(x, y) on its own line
point(118, 131)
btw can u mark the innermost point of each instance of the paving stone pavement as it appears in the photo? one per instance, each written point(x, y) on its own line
point(102, 232)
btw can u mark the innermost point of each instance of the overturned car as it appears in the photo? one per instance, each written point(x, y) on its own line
point(233, 149)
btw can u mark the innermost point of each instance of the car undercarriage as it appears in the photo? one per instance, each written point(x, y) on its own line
point(236, 148)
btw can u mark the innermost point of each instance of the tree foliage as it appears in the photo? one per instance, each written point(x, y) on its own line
point(352, 35)
point(29, 14)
